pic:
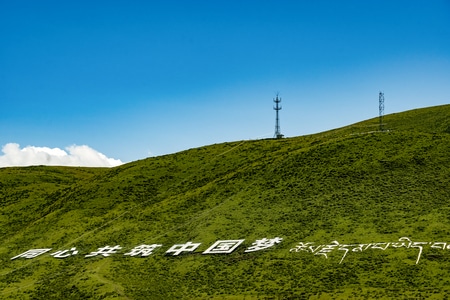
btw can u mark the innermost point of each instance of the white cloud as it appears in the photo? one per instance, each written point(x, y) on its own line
point(74, 155)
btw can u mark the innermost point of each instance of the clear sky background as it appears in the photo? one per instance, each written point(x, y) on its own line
point(133, 79)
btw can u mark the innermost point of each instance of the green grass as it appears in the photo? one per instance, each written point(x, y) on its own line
point(353, 184)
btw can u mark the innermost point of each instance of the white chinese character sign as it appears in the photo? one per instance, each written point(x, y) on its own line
point(263, 244)
point(32, 253)
point(105, 251)
point(65, 253)
point(179, 248)
point(143, 250)
point(229, 246)
point(223, 247)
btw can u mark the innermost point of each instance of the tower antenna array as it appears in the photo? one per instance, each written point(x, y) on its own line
point(277, 108)
point(381, 109)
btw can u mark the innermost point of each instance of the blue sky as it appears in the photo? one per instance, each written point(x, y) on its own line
point(133, 79)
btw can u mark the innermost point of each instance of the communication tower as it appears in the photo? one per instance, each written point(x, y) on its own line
point(381, 108)
point(277, 108)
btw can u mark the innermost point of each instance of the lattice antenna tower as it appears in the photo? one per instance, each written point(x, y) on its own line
point(381, 109)
point(277, 108)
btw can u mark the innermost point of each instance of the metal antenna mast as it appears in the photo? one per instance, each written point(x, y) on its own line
point(277, 108)
point(381, 109)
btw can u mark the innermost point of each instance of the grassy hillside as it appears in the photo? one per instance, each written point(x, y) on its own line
point(353, 185)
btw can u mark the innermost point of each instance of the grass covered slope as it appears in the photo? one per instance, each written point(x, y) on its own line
point(352, 185)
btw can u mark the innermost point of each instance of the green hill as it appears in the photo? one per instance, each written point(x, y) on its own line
point(348, 213)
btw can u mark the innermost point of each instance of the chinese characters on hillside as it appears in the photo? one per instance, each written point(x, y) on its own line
point(219, 247)
point(228, 246)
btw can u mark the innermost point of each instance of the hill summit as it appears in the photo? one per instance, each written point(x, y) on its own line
point(352, 212)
